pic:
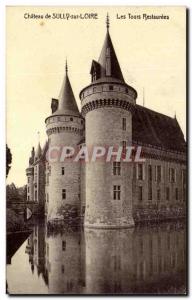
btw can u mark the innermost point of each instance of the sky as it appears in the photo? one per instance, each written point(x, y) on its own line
point(151, 53)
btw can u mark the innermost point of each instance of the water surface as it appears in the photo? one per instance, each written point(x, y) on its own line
point(147, 259)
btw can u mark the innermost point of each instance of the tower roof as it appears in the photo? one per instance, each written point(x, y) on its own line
point(107, 68)
point(38, 151)
point(67, 102)
point(108, 60)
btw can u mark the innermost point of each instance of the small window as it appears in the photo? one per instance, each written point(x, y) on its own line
point(62, 269)
point(126, 90)
point(167, 194)
point(158, 173)
point(63, 194)
point(116, 192)
point(176, 194)
point(172, 175)
point(81, 121)
point(28, 189)
point(124, 123)
point(140, 196)
point(111, 88)
point(140, 172)
point(47, 197)
point(63, 171)
point(158, 194)
point(116, 168)
point(49, 170)
point(63, 245)
point(149, 172)
point(71, 119)
point(150, 193)
point(28, 198)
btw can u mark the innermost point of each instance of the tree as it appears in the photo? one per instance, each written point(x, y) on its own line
point(8, 160)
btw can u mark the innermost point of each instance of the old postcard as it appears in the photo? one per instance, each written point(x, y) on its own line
point(96, 150)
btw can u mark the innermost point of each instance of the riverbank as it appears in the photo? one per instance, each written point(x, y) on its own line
point(15, 222)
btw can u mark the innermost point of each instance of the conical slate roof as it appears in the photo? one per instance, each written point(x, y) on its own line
point(38, 151)
point(108, 58)
point(67, 103)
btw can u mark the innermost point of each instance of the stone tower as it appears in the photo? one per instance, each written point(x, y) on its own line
point(106, 105)
point(65, 128)
point(30, 176)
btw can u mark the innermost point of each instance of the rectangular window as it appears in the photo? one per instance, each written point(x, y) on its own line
point(47, 197)
point(62, 269)
point(158, 173)
point(28, 198)
point(176, 194)
point(116, 192)
point(140, 191)
point(63, 171)
point(49, 170)
point(63, 245)
point(110, 87)
point(63, 194)
point(28, 189)
point(158, 194)
point(149, 172)
point(150, 193)
point(140, 171)
point(116, 168)
point(167, 193)
point(124, 123)
point(172, 175)
point(35, 195)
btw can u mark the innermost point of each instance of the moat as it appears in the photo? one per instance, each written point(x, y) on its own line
point(145, 259)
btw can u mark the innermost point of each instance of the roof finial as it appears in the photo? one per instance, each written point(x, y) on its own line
point(38, 134)
point(107, 22)
point(66, 67)
point(175, 115)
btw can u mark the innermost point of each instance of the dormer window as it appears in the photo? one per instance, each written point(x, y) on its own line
point(94, 76)
point(95, 70)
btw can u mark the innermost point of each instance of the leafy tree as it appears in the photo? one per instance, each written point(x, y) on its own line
point(8, 160)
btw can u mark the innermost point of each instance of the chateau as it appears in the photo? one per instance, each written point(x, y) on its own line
point(109, 194)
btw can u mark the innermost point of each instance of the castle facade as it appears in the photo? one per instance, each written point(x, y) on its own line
point(112, 194)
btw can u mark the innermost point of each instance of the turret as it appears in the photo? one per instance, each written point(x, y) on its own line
point(30, 176)
point(65, 128)
point(107, 105)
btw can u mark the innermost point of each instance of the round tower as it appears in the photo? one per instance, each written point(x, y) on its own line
point(30, 176)
point(65, 128)
point(107, 105)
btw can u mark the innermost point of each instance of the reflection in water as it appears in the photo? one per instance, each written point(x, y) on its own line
point(140, 260)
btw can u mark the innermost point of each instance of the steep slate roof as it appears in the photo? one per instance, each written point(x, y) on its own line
point(155, 129)
point(108, 55)
point(38, 151)
point(152, 128)
point(67, 103)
